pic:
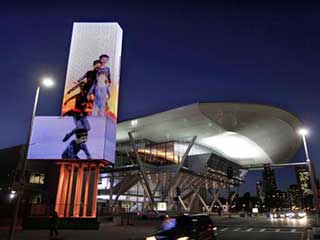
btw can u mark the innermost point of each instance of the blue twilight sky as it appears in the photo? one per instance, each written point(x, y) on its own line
point(174, 53)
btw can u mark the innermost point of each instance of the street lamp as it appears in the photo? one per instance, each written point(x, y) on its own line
point(304, 132)
point(46, 82)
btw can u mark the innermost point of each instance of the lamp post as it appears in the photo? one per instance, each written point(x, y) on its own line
point(46, 82)
point(304, 132)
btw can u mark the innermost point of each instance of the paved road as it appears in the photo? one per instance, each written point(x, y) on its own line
point(262, 221)
point(235, 228)
point(256, 235)
point(139, 234)
point(261, 230)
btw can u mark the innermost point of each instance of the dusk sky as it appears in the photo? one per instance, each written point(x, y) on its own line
point(174, 54)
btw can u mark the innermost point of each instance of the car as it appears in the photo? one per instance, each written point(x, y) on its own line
point(151, 214)
point(278, 215)
point(288, 215)
point(298, 215)
point(186, 227)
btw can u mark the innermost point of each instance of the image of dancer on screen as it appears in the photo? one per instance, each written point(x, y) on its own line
point(79, 113)
point(81, 122)
point(104, 58)
point(84, 84)
point(101, 92)
point(81, 101)
point(77, 144)
point(89, 78)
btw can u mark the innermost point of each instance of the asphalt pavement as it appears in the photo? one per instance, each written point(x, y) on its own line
point(259, 228)
point(262, 222)
point(256, 235)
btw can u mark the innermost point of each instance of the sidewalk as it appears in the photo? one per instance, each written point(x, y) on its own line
point(106, 232)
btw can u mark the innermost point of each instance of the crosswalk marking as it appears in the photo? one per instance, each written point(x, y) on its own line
point(278, 230)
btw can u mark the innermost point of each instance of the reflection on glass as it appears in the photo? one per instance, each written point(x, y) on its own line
point(161, 153)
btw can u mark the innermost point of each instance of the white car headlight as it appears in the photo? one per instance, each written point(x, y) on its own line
point(183, 238)
point(291, 214)
point(151, 238)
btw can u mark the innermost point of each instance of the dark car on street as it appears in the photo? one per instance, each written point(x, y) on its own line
point(186, 227)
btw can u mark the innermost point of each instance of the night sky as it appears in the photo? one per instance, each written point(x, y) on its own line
point(174, 54)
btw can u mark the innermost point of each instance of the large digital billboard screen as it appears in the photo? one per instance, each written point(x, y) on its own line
point(92, 81)
point(87, 127)
point(70, 138)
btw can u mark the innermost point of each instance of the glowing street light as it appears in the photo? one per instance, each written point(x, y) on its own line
point(47, 82)
point(304, 132)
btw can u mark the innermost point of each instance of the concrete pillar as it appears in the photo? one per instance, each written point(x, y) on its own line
point(86, 192)
point(64, 190)
point(95, 191)
point(77, 198)
point(58, 196)
point(68, 203)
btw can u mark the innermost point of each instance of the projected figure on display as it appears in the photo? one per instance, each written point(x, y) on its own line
point(84, 83)
point(80, 120)
point(79, 113)
point(101, 93)
point(89, 78)
point(81, 101)
point(104, 58)
point(79, 143)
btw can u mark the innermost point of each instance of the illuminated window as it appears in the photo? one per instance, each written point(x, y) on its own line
point(36, 199)
point(37, 178)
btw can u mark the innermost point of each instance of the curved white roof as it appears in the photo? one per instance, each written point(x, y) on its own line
point(247, 134)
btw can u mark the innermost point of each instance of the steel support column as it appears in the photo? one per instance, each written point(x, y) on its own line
point(203, 202)
point(111, 188)
point(182, 204)
point(142, 170)
point(190, 205)
point(215, 199)
point(176, 173)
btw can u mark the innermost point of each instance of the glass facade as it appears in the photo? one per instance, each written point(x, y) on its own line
point(160, 153)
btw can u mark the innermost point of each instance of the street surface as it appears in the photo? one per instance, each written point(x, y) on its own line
point(266, 235)
point(259, 228)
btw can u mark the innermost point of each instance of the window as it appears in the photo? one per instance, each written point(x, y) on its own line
point(37, 178)
point(36, 199)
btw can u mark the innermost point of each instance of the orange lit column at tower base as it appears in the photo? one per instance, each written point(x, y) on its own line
point(76, 179)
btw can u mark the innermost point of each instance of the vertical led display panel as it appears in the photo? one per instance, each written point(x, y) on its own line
point(93, 73)
point(49, 141)
point(87, 127)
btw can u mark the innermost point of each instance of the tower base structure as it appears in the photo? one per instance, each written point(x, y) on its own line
point(78, 188)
